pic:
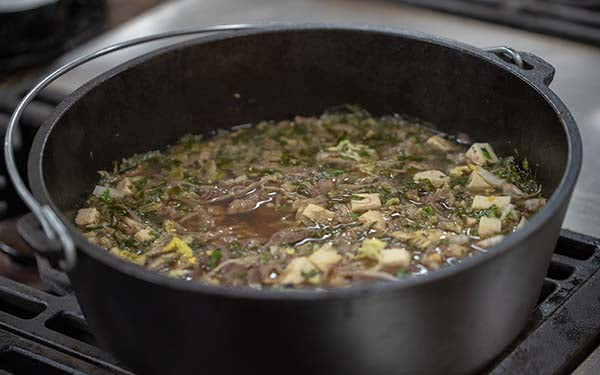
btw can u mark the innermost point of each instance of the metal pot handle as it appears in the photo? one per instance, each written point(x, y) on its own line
point(50, 238)
point(530, 65)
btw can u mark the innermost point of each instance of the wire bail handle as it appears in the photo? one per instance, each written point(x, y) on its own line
point(511, 53)
point(53, 228)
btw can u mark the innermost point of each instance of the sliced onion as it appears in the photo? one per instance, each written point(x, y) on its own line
point(512, 190)
point(489, 177)
point(489, 242)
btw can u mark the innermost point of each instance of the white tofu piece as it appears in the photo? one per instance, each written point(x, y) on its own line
point(404, 236)
point(456, 251)
point(126, 186)
point(395, 257)
point(481, 154)
point(489, 226)
point(368, 202)
point(325, 258)
point(481, 202)
point(318, 213)
point(470, 221)
point(374, 218)
point(144, 235)
point(534, 204)
point(437, 178)
point(476, 183)
point(87, 216)
point(296, 269)
point(439, 143)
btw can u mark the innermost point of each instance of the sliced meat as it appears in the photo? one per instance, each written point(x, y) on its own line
point(239, 206)
point(289, 236)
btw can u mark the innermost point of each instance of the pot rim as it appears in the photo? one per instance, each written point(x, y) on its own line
point(552, 207)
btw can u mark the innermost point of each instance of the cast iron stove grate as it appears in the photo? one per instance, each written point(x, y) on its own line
point(45, 333)
point(574, 19)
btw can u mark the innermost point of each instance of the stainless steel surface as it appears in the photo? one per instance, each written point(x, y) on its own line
point(577, 79)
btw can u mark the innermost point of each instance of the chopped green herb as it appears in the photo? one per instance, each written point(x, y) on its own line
point(428, 211)
point(105, 196)
point(310, 274)
point(400, 274)
point(486, 153)
point(215, 258)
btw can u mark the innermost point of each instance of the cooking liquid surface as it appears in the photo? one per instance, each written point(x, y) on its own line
point(310, 202)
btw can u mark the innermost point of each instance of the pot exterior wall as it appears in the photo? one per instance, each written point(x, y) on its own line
point(453, 326)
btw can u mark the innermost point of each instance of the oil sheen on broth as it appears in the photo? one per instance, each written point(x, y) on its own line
point(311, 202)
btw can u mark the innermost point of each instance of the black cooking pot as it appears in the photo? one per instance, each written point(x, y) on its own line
point(453, 320)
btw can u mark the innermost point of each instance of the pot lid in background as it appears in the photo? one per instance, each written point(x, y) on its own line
point(36, 31)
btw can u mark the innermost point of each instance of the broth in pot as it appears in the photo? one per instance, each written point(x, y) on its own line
point(310, 202)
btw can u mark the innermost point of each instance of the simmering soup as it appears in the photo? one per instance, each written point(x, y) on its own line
point(310, 202)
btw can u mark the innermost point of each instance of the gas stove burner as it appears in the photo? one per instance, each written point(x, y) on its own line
point(35, 31)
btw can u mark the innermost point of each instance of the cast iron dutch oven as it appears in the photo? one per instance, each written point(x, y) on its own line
point(454, 320)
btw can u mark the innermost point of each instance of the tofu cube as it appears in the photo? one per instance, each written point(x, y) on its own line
point(437, 178)
point(368, 202)
point(489, 226)
point(318, 213)
point(395, 257)
point(481, 202)
point(144, 235)
point(374, 219)
point(439, 143)
point(125, 186)
point(87, 216)
point(476, 183)
point(296, 271)
point(456, 251)
point(481, 154)
point(325, 258)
